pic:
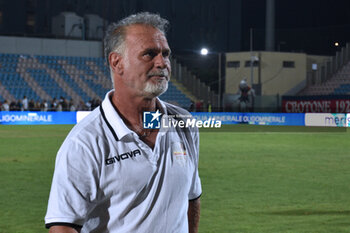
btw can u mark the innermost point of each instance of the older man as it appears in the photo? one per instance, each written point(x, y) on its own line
point(114, 175)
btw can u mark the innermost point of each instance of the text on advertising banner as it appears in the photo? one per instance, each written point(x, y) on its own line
point(37, 118)
point(253, 118)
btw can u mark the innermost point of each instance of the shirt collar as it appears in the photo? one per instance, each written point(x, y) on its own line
point(113, 119)
point(115, 122)
point(164, 111)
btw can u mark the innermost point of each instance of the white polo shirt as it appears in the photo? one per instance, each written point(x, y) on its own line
point(108, 180)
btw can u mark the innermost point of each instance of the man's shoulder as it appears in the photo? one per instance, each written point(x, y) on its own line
point(181, 114)
point(87, 140)
point(175, 110)
point(90, 124)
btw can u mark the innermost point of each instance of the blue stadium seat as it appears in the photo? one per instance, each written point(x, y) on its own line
point(87, 67)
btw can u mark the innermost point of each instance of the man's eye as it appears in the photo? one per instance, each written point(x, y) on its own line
point(166, 54)
point(150, 54)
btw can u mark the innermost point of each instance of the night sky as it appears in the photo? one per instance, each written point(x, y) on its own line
point(308, 26)
point(311, 26)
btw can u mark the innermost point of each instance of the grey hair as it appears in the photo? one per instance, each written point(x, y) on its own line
point(115, 34)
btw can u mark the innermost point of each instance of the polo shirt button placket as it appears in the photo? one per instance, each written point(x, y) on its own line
point(144, 148)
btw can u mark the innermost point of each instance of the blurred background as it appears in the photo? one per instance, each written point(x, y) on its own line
point(228, 55)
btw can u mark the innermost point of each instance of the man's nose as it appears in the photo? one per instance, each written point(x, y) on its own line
point(160, 61)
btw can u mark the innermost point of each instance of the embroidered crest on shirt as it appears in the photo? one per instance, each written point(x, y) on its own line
point(179, 153)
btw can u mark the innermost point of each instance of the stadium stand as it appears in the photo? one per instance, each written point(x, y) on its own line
point(338, 84)
point(44, 78)
point(332, 77)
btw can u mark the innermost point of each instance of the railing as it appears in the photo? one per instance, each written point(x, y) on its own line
point(329, 68)
point(193, 84)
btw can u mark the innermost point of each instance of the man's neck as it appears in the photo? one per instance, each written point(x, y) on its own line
point(131, 108)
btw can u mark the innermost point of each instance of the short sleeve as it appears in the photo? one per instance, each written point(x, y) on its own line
point(196, 187)
point(74, 185)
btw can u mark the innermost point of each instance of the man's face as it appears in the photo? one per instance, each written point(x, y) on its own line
point(146, 63)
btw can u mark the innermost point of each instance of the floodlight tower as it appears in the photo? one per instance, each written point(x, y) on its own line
point(204, 51)
point(270, 25)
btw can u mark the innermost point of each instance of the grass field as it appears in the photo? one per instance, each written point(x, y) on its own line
point(255, 179)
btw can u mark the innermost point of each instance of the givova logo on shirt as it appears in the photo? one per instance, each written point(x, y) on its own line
point(123, 156)
point(151, 120)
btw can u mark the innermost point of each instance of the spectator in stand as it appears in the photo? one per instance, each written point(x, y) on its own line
point(81, 106)
point(5, 106)
point(199, 106)
point(209, 107)
point(59, 107)
point(25, 104)
point(95, 103)
point(64, 103)
point(191, 107)
point(37, 106)
point(31, 105)
point(67, 105)
point(72, 106)
point(54, 104)
point(88, 105)
point(44, 106)
point(16, 106)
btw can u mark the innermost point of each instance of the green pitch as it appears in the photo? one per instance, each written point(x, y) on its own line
point(255, 179)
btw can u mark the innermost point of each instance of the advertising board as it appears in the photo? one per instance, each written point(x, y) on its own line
point(37, 118)
point(253, 118)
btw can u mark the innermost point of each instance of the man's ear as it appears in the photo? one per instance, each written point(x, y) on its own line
point(115, 62)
